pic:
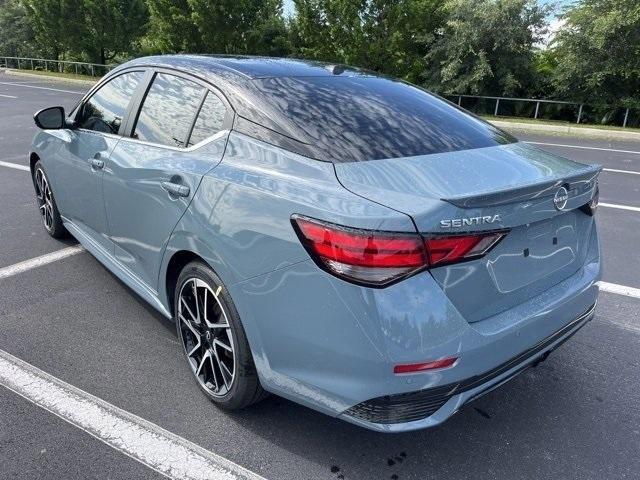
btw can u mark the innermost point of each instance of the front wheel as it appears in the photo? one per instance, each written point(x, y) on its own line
point(213, 339)
point(46, 203)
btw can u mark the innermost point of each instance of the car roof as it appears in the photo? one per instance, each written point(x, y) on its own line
point(326, 111)
point(236, 76)
point(246, 67)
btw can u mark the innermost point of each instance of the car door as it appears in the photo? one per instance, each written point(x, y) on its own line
point(179, 134)
point(79, 167)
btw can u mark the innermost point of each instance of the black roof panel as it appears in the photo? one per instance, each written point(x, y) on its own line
point(250, 67)
point(332, 112)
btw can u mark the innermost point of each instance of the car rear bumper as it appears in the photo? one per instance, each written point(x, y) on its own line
point(429, 407)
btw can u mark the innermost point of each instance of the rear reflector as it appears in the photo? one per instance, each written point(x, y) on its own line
point(422, 367)
point(376, 258)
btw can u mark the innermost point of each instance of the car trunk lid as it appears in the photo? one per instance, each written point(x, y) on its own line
point(515, 187)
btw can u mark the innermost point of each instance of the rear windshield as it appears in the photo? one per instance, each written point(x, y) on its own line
point(356, 118)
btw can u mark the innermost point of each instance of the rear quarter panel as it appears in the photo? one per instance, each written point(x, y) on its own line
point(239, 223)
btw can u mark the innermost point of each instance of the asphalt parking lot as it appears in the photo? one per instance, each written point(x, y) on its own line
point(574, 416)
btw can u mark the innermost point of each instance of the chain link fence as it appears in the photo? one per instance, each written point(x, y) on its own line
point(558, 110)
point(58, 66)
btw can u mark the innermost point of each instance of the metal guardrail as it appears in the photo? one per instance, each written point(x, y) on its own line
point(480, 104)
point(495, 103)
point(60, 66)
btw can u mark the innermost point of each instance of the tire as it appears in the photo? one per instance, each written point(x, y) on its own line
point(51, 220)
point(230, 388)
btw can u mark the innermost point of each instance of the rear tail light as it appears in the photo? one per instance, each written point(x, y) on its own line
point(455, 249)
point(376, 258)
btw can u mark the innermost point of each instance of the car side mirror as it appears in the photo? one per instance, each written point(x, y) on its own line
point(51, 118)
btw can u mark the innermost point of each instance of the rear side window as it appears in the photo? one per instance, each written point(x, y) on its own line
point(168, 110)
point(210, 119)
point(359, 117)
point(104, 110)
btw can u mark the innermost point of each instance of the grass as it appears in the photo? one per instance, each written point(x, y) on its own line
point(557, 122)
point(46, 73)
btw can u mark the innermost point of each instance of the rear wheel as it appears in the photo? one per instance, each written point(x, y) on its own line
point(213, 339)
point(46, 203)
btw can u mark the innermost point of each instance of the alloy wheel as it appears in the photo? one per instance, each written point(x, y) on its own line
point(45, 200)
point(206, 336)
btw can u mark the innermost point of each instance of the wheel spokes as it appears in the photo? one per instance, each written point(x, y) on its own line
point(218, 342)
point(196, 335)
point(207, 336)
point(45, 200)
point(227, 375)
point(186, 305)
point(206, 355)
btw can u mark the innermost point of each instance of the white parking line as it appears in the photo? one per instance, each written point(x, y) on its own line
point(39, 261)
point(7, 96)
point(14, 165)
point(149, 444)
point(41, 88)
point(620, 207)
point(619, 289)
point(620, 171)
point(584, 147)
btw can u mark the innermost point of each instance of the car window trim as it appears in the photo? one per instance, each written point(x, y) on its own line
point(205, 93)
point(136, 101)
point(208, 87)
point(79, 106)
point(220, 134)
point(135, 119)
point(226, 123)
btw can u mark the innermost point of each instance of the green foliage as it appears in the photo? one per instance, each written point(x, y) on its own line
point(93, 30)
point(491, 47)
point(57, 25)
point(16, 33)
point(486, 47)
point(598, 53)
point(111, 26)
point(171, 28)
point(390, 36)
point(233, 26)
point(218, 26)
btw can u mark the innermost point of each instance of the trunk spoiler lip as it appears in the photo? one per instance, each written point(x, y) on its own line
point(527, 191)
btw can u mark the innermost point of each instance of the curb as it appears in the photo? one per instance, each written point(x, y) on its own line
point(568, 130)
point(78, 81)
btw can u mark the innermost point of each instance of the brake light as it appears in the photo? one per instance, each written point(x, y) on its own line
point(376, 258)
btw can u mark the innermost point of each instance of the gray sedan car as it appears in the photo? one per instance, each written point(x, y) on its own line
point(345, 240)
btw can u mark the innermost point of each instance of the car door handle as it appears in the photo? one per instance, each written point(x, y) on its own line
point(176, 189)
point(96, 163)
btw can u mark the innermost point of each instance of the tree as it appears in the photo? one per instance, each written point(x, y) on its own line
point(270, 38)
point(57, 25)
point(233, 26)
point(112, 27)
point(598, 53)
point(486, 47)
point(16, 33)
point(390, 36)
point(171, 28)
